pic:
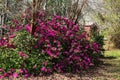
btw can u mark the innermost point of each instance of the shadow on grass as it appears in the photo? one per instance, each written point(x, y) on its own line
point(109, 57)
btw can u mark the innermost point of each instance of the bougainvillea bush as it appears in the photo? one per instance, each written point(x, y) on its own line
point(56, 45)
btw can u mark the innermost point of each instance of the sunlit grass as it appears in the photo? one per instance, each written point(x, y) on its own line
point(113, 61)
point(112, 53)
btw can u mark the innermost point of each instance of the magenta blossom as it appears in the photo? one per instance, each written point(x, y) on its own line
point(12, 36)
point(95, 46)
point(15, 21)
point(35, 46)
point(28, 27)
point(27, 75)
point(15, 75)
point(23, 54)
point(1, 76)
point(21, 71)
point(44, 69)
point(45, 63)
point(11, 46)
point(3, 42)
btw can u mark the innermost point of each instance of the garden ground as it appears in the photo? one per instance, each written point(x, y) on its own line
point(109, 70)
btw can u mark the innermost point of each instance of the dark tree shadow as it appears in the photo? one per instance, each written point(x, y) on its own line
point(109, 57)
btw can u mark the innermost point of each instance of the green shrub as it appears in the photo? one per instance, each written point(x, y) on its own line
point(56, 45)
point(116, 40)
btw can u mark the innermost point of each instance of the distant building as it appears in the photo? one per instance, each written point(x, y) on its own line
point(92, 29)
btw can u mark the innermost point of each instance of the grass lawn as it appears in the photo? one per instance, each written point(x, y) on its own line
point(109, 70)
point(111, 66)
point(112, 53)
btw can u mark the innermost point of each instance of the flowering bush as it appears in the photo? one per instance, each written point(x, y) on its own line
point(56, 46)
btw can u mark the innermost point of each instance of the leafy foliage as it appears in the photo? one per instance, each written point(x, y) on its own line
point(112, 18)
point(56, 45)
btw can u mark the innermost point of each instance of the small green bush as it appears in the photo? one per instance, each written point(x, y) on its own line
point(116, 40)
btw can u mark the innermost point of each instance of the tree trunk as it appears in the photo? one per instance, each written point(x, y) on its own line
point(36, 6)
point(33, 17)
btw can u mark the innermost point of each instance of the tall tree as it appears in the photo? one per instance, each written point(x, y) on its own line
point(112, 18)
point(10, 9)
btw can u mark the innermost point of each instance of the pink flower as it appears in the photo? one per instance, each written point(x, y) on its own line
point(3, 42)
point(1, 76)
point(15, 75)
point(53, 48)
point(35, 66)
point(45, 63)
point(51, 33)
point(91, 64)
point(47, 41)
point(59, 49)
point(57, 55)
point(76, 51)
point(23, 15)
point(5, 74)
point(12, 70)
point(68, 33)
point(35, 46)
point(95, 46)
point(22, 54)
point(18, 28)
point(57, 17)
point(39, 20)
point(49, 53)
point(28, 28)
point(1, 70)
point(15, 21)
point(12, 36)
point(83, 35)
point(26, 71)
point(87, 46)
point(40, 74)
point(44, 69)
point(11, 46)
point(43, 51)
point(27, 75)
point(55, 41)
point(58, 44)
point(21, 71)
point(71, 50)
point(49, 70)
point(48, 45)
point(66, 52)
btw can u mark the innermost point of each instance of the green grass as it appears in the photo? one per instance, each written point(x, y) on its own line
point(112, 64)
point(109, 69)
point(112, 53)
